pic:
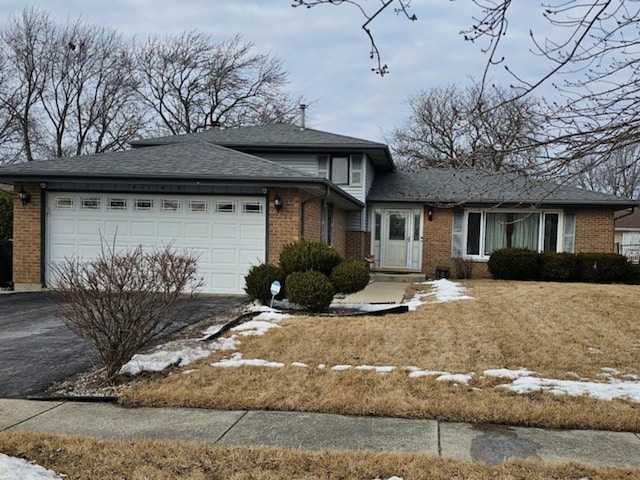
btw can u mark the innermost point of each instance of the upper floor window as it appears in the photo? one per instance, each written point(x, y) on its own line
point(341, 169)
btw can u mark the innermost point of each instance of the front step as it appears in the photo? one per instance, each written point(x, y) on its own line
point(398, 277)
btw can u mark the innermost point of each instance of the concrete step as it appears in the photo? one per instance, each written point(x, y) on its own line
point(408, 277)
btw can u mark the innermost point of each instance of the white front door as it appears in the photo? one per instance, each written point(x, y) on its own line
point(397, 238)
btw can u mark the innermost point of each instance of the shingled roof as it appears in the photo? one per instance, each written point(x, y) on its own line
point(473, 187)
point(280, 137)
point(183, 161)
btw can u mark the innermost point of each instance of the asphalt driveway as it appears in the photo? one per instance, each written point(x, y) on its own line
point(37, 349)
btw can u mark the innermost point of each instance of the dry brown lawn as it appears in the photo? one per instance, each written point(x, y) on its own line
point(83, 458)
point(559, 331)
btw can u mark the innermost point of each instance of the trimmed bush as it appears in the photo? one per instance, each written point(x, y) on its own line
point(311, 290)
point(514, 264)
point(559, 267)
point(259, 279)
point(308, 255)
point(604, 268)
point(350, 276)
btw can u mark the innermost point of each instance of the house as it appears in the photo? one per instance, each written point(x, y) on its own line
point(627, 234)
point(236, 196)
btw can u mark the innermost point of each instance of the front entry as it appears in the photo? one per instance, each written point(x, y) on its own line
point(397, 239)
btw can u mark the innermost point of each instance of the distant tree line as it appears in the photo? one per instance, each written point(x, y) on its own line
point(77, 88)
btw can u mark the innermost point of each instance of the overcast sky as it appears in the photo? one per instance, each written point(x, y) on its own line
point(325, 51)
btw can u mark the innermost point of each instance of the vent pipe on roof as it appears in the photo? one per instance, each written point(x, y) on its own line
point(303, 107)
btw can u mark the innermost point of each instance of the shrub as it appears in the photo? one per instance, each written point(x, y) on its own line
point(121, 300)
point(350, 276)
point(604, 268)
point(559, 267)
point(259, 279)
point(311, 290)
point(308, 255)
point(514, 264)
point(463, 268)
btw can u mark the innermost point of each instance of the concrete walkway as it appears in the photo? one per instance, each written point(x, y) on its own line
point(490, 444)
point(378, 292)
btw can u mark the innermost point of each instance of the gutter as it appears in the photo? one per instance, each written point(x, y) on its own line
point(630, 212)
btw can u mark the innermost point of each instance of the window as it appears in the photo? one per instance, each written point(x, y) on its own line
point(252, 207)
point(480, 233)
point(378, 225)
point(117, 204)
point(225, 207)
point(170, 205)
point(65, 203)
point(143, 204)
point(340, 170)
point(356, 170)
point(198, 206)
point(92, 203)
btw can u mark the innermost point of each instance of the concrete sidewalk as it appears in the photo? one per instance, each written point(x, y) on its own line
point(490, 444)
point(378, 292)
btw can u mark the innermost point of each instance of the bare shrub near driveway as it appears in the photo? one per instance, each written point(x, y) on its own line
point(122, 300)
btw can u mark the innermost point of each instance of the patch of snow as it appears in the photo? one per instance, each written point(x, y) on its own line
point(426, 373)
point(236, 361)
point(19, 468)
point(594, 350)
point(339, 368)
point(377, 368)
point(507, 373)
point(446, 291)
point(254, 328)
point(299, 364)
point(609, 372)
point(600, 391)
point(461, 378)
point(180, 353)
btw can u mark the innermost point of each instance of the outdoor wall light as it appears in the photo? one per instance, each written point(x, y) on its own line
point(277, 202)
point(24, 196)
point(430, 215)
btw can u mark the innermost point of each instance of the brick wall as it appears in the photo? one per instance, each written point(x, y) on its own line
point(27, 234)
point(339, 231)
point(594, 230)
point(312, 219)
point(437, 240)
point(284, 226)
point(358, 245)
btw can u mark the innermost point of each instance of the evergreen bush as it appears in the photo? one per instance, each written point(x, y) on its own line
point(604, 268)
point(559, 267)
point(514, 264)
point(350, 276)
point(311, 290)
point(259, 279)
point(306, 255)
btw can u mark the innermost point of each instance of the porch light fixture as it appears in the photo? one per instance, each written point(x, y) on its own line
point(430, 215)
point(24, 196)
point(277, 202)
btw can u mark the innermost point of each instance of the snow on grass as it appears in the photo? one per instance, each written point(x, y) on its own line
point(236, 360)
point(18, 468)
point(507, 373)
point(444, 290)
point(461, 378)
point(254, 328)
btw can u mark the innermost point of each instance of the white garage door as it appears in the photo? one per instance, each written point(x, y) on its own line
point(228, 233)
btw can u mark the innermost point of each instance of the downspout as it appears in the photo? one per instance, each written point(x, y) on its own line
point(302, 205)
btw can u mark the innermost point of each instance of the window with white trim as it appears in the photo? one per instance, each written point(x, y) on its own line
point(478, 233)
point(143, 204)
point(225, 207)
point(342, 169)
point(65, 203)
point(198, 206)
point(252, 207)
point(170, 205)
point(90, 203)
point(117, 204)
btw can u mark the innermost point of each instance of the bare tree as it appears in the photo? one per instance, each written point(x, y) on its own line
point(192, 84)
point(452, 126)
point(27, 39)
point(9, 131)
point(370, 14)
point(121, 300)
point(88, 90)
point(593, 64)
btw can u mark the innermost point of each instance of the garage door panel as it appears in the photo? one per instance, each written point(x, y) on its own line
point(227, 243)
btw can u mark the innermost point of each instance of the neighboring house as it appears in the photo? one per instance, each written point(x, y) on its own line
point(236, 196)
point(627, 236)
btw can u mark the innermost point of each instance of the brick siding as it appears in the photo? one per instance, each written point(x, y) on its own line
point(27, 234)
point(358, 245)
point(594, 230)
